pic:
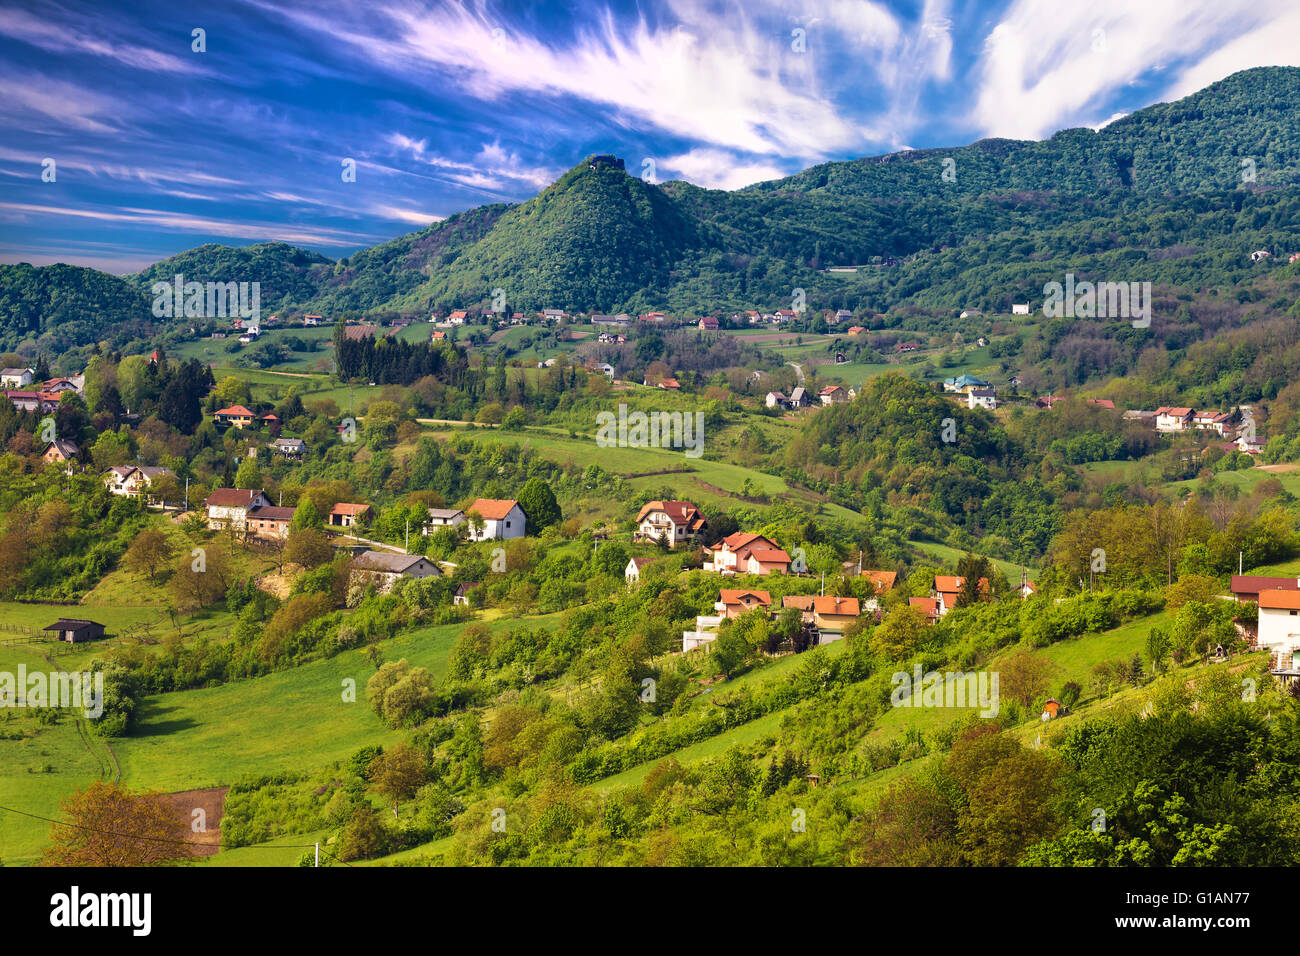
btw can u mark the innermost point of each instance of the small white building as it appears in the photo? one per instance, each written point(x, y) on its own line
point(632, 573)
point(17, 377)
point(981, 398)
point(502, 518)
point(1020, 308)
point(1279, 628)
point(443, 518)
point(384, 568)
point(1170, 419)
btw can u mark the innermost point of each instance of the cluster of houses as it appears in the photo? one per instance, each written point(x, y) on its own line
point(800, 398)
point(829, 616)
point(27, 395)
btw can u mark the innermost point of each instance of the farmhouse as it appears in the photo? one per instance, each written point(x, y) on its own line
point(883, 583)
point(708, 324)
point(461, 597)
point(930, 608)
point(347, 514)
point(799, 398)
point(229, 507)
point(501, 518)
point(1171, 419)
point(674, 521)
point(74, 631)
point(981, 398)
point(383, 568)
point(833, 395)
point(269, 522)
point(776, 400)
point(443, 518)
point(964, 383)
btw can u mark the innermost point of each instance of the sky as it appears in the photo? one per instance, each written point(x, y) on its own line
point(133, 131)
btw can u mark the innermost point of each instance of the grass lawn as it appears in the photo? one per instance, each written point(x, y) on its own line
point(950, 556)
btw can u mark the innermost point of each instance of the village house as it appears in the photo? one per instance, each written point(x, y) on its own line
point(1020, 308)
point(17, 377)
point(347, 514)
point(842, 315)
point(60, 450)
point(269, 522)
point(964, 383)
point(601, 368)
point(676, 522)
point(229, 507)
point(1251, 446)
point(443, 518)
point(632, 573)
point(236, 415)
point(75, 630)
point(931, 609)
point(784, 315)
point(776, 400)
point(129, 480)
point(461, 595)
point(622, 319)
point(292, 449)
point(1279, 630)
point(708, 324)
point(982, 398)
point(831, 616)
point(833, 395)
point(1217, 422)
point(1170, 419)
point(907, 346)
point(1105, 403)
point(947, 588)
point(458, 317)
point(383, 568)
point(732, 554)
point(312, 319)
point(799, 398)
point(501, 518)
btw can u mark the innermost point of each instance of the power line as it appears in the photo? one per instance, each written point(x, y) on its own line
point(137, 836)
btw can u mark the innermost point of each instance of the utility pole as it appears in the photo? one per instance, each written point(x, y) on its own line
point(187, 493)
point(408, 535)
point(318, 854)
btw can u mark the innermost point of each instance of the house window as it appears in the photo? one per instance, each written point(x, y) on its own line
point(507, 524)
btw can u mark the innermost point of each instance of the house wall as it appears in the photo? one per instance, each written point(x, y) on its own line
point(1279, 631)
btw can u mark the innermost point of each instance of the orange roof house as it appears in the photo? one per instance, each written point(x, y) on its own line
point(346, 514)
point(236, 415)
point(734, 603)
point(766, 560)
point(883, 580)
point(831, 615)
point(948, 586)
point(927, 606)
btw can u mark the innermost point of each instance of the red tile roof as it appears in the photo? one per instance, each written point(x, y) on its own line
point(492, 509)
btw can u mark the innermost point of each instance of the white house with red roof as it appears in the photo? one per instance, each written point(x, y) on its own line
point(677, 522)
point(501, 518)
point(732, 554)
point(1279, 629)
point(1173, 418)
point(229, 507)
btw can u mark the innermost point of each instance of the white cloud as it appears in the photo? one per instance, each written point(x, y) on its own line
point(406, 215)
point(1047, 65)
point(58, 34)
point(718, 169)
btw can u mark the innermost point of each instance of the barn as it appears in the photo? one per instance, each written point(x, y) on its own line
point(75, 631)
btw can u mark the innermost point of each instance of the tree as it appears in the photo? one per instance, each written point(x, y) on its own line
point(539, 505)
point(398, 773)
point(106, 825)
point(363, 836)
point(149, 551)
point(305, 515)
point(249, 476)
point(1025, 676)
point(308, 547)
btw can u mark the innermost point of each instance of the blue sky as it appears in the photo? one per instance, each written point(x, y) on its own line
point(158, 148)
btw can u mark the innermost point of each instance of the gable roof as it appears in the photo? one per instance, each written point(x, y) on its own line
point(493, 509)
point(769, 556)
point(1287, 600)
point(1254, 584)
point(232, 497)
point(235, 411)
point(271, 513)
point(734, 542)
point(823, 604)
point(883, 580)
point(681, 512)
point(928, 606)
point(734, 596)
point(386, 561)
point(349, 509)
point(951, 584)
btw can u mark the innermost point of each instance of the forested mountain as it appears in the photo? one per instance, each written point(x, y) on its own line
point(1176, 194)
